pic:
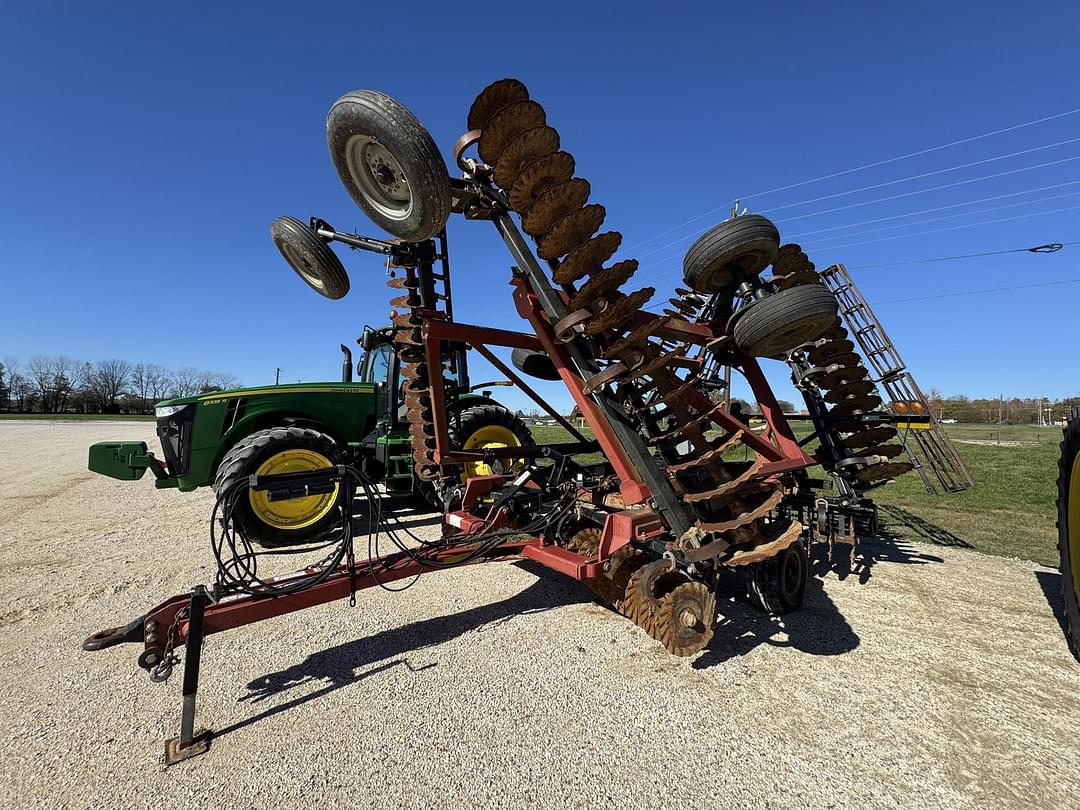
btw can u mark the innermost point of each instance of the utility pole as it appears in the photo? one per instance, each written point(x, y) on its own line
point(277, 376)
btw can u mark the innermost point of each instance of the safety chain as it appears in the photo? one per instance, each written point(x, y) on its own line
point(163, 669)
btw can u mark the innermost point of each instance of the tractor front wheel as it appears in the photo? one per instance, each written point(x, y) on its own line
point(270, 452)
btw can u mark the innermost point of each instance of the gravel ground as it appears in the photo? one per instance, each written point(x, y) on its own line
point(929, 677)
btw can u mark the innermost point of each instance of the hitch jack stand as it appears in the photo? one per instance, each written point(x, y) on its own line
point(191, 742)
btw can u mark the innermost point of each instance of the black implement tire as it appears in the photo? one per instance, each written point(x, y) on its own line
point(1069, 528)
point(500, 424)
point(389, 164)
point(778, 584)
point(268, 523)
point(775, 325)
point(310, 257)
point(743, 246)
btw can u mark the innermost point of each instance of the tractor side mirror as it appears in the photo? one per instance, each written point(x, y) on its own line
point(367, 339)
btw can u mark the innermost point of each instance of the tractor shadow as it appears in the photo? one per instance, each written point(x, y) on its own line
point(1050, 582)
point(349, 663)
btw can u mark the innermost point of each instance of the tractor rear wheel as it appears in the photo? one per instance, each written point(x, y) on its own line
point(1069, 528)
point(280, 450)
point(389, 164)
point(489, 427)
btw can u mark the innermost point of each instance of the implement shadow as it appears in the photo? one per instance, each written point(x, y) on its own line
point(817, 628)
point(340, 666)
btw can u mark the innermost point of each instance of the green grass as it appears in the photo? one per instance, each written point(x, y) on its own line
point(80, 417)
point(1011, 510)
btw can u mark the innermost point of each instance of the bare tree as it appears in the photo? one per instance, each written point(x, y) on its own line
point(63, 370)
point(185, 382)
point(41, 376)
point(111, 377)
point(159, 381)
point(140, 385)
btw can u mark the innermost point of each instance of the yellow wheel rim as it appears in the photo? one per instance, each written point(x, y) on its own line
point(1072, 525)
point(295, 513)
point(490, 437)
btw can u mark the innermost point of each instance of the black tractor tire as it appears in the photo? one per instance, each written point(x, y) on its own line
point(246, 456)
point(1069, 528)
point(773, 326)
point(312, 259)
point(778, 584)
point(471, 420)
point(724, 254)
point(389, 164)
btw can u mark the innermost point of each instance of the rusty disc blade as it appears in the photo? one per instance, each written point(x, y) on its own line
point(794, 280)
point(823, 355)
point(554, 204)
point(842, 376)
point(588, 258)
point(882, 471)
point(538, 177)
point(620, 313)
point(570, 231)
point(405, 301)
point(854, 406)
point(492, 98)
point(684, 623)
point(506, 124)
point(868, 438)
point(403, 283)
point(522, 150)
point(792, 261)
point(883, 450)
point(606, 281)
point(860, 388)
point(638, 337)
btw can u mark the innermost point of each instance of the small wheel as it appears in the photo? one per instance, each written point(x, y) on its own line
point(310, 257)
point(389, 164)
point(773, 326)
point(489, 427)
point(1069, 529)
point(282, 450)
point(778, 584)
point(743, 246)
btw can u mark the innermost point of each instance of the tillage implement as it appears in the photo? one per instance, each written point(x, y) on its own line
point(690, 491)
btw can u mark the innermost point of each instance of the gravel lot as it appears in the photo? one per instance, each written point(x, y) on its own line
point(937, 677)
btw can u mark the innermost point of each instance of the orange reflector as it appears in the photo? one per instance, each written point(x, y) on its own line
point(900, 407)
point(917, 407)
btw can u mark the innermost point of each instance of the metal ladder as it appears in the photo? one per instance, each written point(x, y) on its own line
point(928, 446)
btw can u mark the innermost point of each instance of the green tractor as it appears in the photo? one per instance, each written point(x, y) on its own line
point(1069, 528)
point(215, 438)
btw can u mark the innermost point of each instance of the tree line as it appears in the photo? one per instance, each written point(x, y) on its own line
point(1001, 410)
point(62, 384)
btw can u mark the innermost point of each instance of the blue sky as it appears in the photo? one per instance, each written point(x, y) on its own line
point(143, 154)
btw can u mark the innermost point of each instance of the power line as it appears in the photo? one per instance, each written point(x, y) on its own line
point(914, 193)
point(857, 169)
point(951, 228)
point(927, 174)
point(932, 188)
point(980, 292)
point(946, 216)
point(909, 155)
point(936, 208)
point(1036, 249)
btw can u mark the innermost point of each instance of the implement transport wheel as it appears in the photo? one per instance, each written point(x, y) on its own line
point(729, 252)
point(310, 257)
point(778, 584)
point(489, 427)
point(1069, 529)
point(270, 452)
point(389, 164)
point(773, 326)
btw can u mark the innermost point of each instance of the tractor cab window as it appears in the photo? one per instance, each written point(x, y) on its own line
point(377, 363)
